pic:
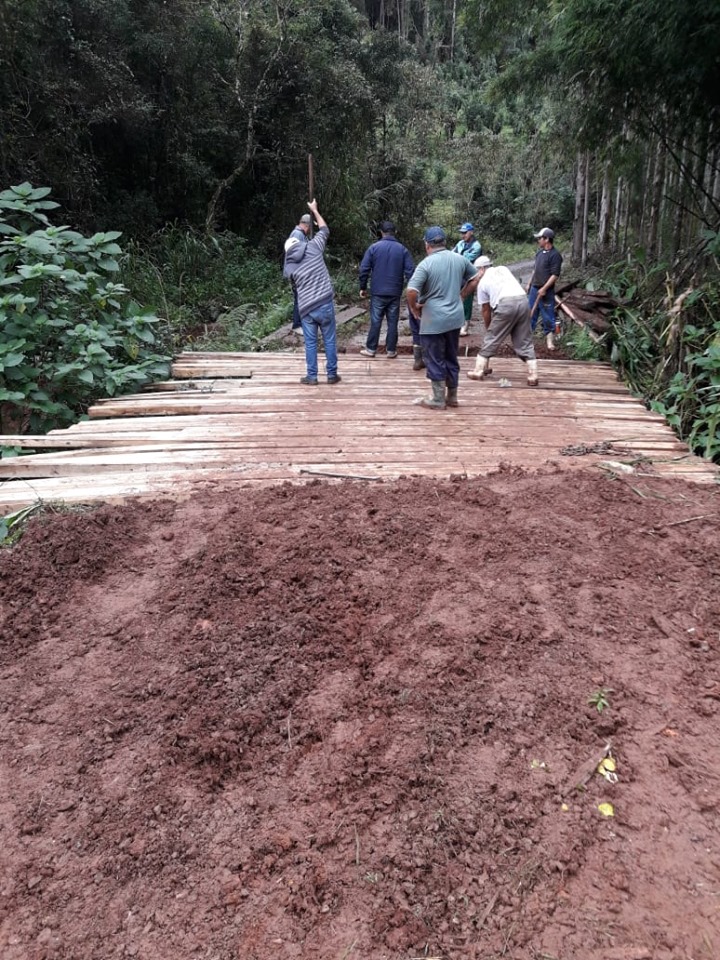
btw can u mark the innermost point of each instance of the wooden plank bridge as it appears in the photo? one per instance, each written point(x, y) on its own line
point(244, 418)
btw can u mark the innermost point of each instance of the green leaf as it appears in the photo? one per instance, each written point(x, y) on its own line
point(12, 359)
point(34, 270)
point(86, 376)
point(101, 238)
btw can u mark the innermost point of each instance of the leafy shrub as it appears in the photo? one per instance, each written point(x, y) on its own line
point(668, 347)
point(68, 332)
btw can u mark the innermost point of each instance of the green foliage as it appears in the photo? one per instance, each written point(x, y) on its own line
point(668, 347)
point(68, 331)
point(600, 699)
point(509, 183)
point(206, 281)
point(579, 345)
point(244, 327)
point(12, 525)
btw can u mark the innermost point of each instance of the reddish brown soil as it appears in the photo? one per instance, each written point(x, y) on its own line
point(347, 722)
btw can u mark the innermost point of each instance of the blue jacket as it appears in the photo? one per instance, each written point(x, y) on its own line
point(391, 267)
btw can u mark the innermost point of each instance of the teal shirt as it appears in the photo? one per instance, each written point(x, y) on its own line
point(438, 279)
point(471, 251)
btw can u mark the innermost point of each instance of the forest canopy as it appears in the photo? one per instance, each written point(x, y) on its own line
point(138, 114)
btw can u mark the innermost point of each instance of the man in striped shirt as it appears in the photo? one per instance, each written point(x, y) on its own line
point(315, 297)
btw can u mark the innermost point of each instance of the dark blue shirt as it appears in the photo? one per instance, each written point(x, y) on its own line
point(548, 263)
point(391, 266)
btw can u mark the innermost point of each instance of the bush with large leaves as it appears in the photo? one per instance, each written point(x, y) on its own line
point(68, 332)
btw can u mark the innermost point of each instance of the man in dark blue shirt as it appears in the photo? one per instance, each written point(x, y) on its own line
point(391, 266)
point(541, 290)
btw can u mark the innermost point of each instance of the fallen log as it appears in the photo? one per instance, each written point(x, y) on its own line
point(578, 320)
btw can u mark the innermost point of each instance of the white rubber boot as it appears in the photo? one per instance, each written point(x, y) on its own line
point(482, 369)
point(550, 342)
point(532, 374)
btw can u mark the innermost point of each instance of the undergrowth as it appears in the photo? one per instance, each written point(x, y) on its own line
point(666, 341)
point(217, 292)
point(579, 345)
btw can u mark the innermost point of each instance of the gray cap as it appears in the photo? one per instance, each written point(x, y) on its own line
point(546, 233)
point(306, 218)
point(483, 262)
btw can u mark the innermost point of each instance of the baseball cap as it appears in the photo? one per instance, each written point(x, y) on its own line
point(483, 262)
point(387, 226)
point(546, 233)
point(465, 227)
point(306, 218)
point(435, 235)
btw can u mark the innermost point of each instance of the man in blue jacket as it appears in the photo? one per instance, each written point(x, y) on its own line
point(470, 248)
point(391, 266)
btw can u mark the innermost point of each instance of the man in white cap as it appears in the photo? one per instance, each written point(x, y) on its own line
point(505, 313)
point(315, 299)
point(295, 249)
point(541, 289)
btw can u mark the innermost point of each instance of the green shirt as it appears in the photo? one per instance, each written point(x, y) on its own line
point(438, 279)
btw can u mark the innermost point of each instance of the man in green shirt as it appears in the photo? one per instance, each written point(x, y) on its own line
point(434, 294)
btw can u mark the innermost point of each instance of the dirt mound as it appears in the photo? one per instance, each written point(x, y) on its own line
point(352, 721)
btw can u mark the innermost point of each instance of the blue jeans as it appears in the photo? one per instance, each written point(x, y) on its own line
point(388, 307)
point(322, 318)
point(296, 321)
point(546, 309)
point(440, 352)
point(414, 327)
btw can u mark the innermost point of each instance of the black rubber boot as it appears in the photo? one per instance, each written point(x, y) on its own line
point(419, 363)
point(451, 399)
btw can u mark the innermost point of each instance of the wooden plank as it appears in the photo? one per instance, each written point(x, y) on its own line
point(342, 317)
point(177, 437)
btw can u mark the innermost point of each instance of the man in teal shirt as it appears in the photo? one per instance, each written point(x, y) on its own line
point(434, 295)
point(470, 248)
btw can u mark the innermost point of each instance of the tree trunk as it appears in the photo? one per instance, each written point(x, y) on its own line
point(580, 190)
point(586, 211)
point(678, 219)
point(645, 191)
point(452, 30)
point(654, 217)
point(624, 227)
point(603, 233)
point(616, 219)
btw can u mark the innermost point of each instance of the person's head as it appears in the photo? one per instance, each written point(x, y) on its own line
point(482, 263)
point(434, 238)
point(545, 238)
point(467, 232)
point(305, 223)
point(387, 228)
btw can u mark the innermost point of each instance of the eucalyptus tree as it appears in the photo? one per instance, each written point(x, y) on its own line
point(641, 82)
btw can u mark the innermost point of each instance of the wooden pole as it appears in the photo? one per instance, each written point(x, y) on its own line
point(311, 183)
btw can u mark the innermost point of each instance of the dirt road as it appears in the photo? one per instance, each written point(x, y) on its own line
point(352, 721)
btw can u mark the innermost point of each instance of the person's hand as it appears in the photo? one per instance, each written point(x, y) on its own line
point(363, 294)
point(313, 205)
